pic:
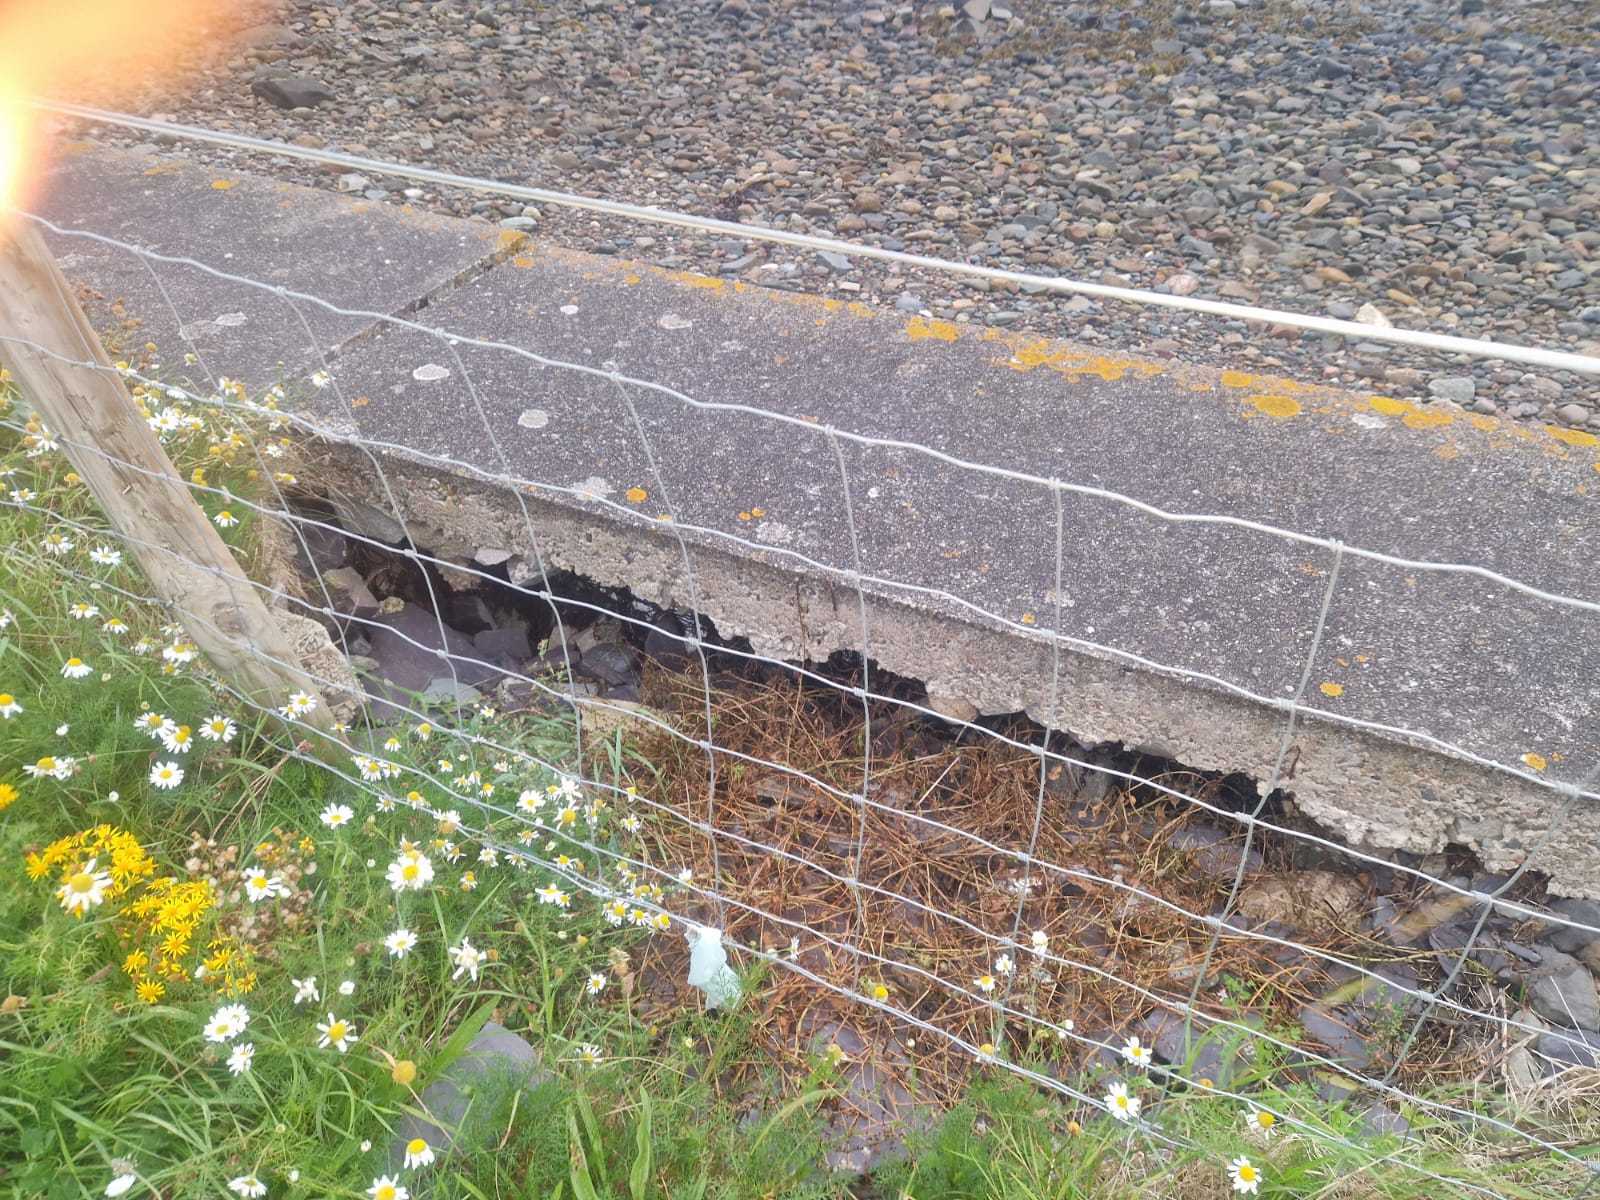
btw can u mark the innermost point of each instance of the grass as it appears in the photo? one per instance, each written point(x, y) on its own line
point(106, 1072)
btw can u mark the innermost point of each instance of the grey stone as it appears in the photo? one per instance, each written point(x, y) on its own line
point(291, 91)
point(352, 182)
point(1337, 1032)
point(350, 593)
point(611, 663)
point(510, 640)
point(1571, 1049)
point(1458, 389)
point(1572, 414)
point(495, 1063)
point(1379, 1120)
point(1218, 1054)
point(1567, 939)
point(837, 263)
point(1563, 991)
point(907, 303)
point(1213, 851)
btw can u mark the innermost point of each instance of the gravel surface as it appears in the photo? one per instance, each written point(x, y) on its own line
point(1433, 164)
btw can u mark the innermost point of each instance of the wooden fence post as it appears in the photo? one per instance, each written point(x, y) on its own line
point(120, 458)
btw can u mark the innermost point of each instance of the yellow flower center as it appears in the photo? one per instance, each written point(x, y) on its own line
point(259, 881)
point(1266, 1120)
point(336, 1031)
point(74, 662)
point(416, 1146)
point(47, 763)
point(1247, 1173)
point(81, 883)
point(182, 735)
point(409, 871)
point(386, 1192)
point(6, 699)
point(1122, 1102)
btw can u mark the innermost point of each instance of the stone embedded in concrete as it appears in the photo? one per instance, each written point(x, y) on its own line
point(960, 565)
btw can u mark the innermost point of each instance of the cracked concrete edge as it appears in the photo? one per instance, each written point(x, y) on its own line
point(1370, 791)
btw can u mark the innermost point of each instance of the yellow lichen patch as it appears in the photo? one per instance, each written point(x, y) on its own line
point(921, 328)
point(223, 185)
point(1428, 418)
point(696, 280)
point(1331, 690)
point(857, 309)
point(1238, 379)
point(757, 512)
point(1036, 352)
point(1028, 619)
point(1110, 369)
point(162, 169)
point(523, 261)
point(1389, 407)
point(1534, 761)
point(1447, 452)
point(832, 306)
point(1572, 437)
point(631, 279)
point(636, 495)
point(1483, 423)
point(1279, 407)
point(745, 516)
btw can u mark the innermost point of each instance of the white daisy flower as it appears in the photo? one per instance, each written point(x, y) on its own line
point(468, 958)
point(595, 984)
point(1121, 1105)
point(105, 556)
point(418, 1153)
point(219, 729)
point(8, 706)
point(1245, 1176)
point(400, 943)
point(247, 1186)
point(84, 889)
point(75, 668)
point(240, 1059)
point(336, 1033)
point(411, 872)
point(166, 775)
point(385, 1187)
point(259, 886)
point(306, 989)
point(1136, 1052)
point(336, 815)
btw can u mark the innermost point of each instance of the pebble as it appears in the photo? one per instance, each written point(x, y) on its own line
point(1458, 389)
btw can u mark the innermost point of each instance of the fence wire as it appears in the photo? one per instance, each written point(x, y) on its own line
point(730, 901)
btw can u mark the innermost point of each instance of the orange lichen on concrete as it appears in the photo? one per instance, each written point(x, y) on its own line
point(1278, 407)
point(1428, 418)
point(695, 280)
point(1332, 690)
point(1572, 437)
point(632, 279)
point(921, 328)
point(1484, 423)
point(510, 240)
point(1534, 761)
point(1389, 407)
point(223, 185)
point(522, 260)
point(1028, 354)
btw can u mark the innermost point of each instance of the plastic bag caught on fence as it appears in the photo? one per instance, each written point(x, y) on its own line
point(709, 970)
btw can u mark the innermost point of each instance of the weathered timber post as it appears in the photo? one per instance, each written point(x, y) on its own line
point(88, 409)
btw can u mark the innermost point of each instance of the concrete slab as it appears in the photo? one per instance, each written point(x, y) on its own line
point(963, 563)
point(1493, 671)
point(355, 252)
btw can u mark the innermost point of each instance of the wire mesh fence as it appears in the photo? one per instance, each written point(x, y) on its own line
point(966, 893)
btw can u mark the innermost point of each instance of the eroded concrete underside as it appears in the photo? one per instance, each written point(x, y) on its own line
point(958, 567)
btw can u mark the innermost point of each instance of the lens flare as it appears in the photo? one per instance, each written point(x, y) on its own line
point(74, 49)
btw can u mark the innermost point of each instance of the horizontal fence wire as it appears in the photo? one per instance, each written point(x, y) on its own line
point(694, 899)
